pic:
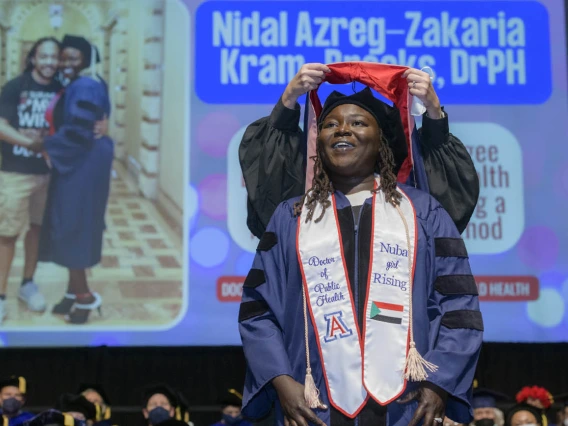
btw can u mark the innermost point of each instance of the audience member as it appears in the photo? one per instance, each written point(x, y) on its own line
point(231, 410)
point(182, 410)
point(12, 400)
point(537, 397)
point(562, 414)
point(95, 393)
point(160, 404)
point(524, 415)
point(485, 411)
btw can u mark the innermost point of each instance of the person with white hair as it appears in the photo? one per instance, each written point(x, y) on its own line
point(485, 411)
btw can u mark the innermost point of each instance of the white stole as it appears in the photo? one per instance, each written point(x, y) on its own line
point(356, 368)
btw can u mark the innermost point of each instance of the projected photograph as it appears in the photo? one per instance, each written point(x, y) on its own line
point(92, 176)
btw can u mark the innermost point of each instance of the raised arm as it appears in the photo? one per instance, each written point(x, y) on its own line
point(452, 177)
point(272, 152)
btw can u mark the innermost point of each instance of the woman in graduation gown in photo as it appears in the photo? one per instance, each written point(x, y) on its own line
point(360, 308)
point(272, 153)
point(72, 231)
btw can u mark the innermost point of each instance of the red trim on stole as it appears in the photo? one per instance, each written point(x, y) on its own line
point(306, 291)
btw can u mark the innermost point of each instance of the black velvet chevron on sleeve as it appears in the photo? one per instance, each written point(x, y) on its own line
point(267, 241)
point(450, 247)
point(463, 319)
point(456, 285)
point(254, 278)
point(252, 309)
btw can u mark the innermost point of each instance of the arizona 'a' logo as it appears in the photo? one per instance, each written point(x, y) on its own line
point(336, 327)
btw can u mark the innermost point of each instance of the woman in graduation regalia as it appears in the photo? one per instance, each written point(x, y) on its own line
point(72, 231)
point(360, 308)
point(524, 415)
point(273, 154)
point(538, 397)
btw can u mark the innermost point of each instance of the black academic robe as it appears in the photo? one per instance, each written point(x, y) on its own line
point(272, 158)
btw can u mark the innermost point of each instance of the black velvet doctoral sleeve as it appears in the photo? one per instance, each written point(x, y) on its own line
point(272, 162)
point(451, 174)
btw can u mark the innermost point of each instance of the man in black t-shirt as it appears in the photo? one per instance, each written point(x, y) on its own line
point(24, 173)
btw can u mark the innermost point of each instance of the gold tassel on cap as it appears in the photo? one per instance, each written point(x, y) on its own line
point(22, 384)
point(68, 420)
point(178, 413)
point(415, 366)
point(98, 414)
point(237, 394)
point(107, 414)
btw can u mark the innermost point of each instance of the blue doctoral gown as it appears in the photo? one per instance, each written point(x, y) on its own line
point(72, 231)
point(447, 323)
point(20, 418)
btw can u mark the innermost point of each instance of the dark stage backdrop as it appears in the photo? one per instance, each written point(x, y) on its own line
point(203, 373)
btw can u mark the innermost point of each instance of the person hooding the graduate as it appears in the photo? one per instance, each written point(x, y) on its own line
point(273, 157)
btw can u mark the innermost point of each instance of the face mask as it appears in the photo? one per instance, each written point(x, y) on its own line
point(158, 415)
point(485, 422)
point(230, 420)
point(11, 406)
point(566, 421)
